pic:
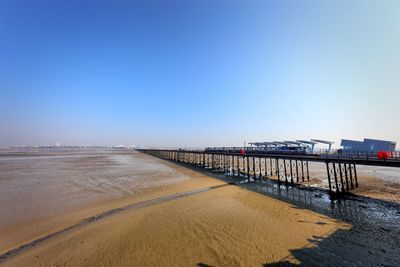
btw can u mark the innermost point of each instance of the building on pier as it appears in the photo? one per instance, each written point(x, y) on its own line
point(280, 147)
point(368, 145)
point(303, 146)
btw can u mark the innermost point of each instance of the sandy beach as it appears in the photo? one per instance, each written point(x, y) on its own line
point(43, 194)
point(150, 212)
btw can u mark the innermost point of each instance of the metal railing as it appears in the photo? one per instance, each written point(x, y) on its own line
point(323, 153)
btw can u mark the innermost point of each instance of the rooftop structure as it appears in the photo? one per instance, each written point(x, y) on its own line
point(368, 145)
point(329, 143)
point(293, 143)
point(301, 144)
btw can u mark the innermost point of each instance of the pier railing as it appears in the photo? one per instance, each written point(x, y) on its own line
point(325, 153)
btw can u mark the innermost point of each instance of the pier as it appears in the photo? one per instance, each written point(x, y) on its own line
point(285, 168)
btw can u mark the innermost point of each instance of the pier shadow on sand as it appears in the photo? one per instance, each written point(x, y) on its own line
point(343, 248)
point(374, 238)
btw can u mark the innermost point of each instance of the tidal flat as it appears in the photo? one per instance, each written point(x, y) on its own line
point(131, 209)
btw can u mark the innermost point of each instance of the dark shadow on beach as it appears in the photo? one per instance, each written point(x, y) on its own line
point(374, 238)
point(344, 248)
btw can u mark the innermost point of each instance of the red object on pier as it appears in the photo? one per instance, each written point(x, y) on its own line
point(382, 155)
point(242, 152)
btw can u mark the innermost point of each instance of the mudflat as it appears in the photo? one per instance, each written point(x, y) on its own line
point(41, 194)
point(374, 181)
point(148, 212)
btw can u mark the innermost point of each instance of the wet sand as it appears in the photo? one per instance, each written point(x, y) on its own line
point(227, 226)
point(43, 194)
point(215, 224)
point(374, 182)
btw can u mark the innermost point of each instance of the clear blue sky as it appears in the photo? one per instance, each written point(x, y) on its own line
point(194, 73)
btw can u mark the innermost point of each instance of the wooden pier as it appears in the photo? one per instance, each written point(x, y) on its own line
point(288, 169)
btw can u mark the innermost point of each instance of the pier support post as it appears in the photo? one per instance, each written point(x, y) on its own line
point(329, 176)
point(248, 168)
point(254, 169)
point(233, 165)
point(346, 176)
point(238, 165)
point(277, 169)
point(341, 177)
point(351, 175)
point(270, 165)
point(226, 163)
point(284, 166)
point(355, 174)
point(291, 172)
point(265, 167)
point(336, 181)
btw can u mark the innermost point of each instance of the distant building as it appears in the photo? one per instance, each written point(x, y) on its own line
point(368, 145)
